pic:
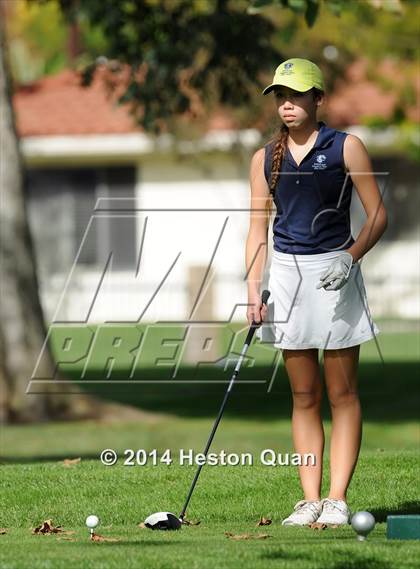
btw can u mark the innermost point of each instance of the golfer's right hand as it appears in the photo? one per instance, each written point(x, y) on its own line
point(256, 310)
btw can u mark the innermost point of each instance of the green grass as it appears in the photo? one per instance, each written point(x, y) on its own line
point(98, 342)
point(35, 485)
point(387, 374)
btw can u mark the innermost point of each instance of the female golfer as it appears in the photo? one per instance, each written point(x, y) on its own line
point(318, 299)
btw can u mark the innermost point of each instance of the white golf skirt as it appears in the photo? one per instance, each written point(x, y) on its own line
point(300, 316)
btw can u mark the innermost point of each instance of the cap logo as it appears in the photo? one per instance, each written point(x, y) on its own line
point(287, 69)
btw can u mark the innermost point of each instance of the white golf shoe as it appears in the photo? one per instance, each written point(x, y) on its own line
point(305, 512)
point(334, 512)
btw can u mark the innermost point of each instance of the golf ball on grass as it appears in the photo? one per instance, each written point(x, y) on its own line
point(92, 521)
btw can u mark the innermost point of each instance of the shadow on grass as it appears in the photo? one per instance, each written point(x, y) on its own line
point(137, 542)
point(347, 559)
point(404, 509)
point(388, 392)
point(55, 458)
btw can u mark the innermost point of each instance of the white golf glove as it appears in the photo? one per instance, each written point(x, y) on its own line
point(337, 273)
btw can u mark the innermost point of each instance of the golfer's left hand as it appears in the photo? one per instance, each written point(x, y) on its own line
point(337, 273)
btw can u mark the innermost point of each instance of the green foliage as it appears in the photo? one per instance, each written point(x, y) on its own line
point(194, 55)
point(311, 12)
point(361, 31)
point(336, 7)
point(308, 7)
point(190, 59)
point(409, 139)
point(297, 5)
point(37, 35)
point(375, 122)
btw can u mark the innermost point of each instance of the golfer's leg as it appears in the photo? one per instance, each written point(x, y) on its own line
point(340, 367)
point(308, 434)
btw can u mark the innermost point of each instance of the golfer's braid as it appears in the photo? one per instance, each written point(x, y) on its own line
point(280, 144)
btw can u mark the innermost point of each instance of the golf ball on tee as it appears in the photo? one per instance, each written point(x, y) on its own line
point(92, 521)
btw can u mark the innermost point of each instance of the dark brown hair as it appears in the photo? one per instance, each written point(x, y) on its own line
point(279, 141)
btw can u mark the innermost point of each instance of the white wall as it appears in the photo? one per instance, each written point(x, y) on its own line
point(176, 197)
point(181, 231)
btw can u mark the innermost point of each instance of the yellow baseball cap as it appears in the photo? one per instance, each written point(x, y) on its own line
point(298, 74)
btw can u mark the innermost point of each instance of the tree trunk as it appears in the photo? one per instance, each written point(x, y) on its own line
point(22, 327)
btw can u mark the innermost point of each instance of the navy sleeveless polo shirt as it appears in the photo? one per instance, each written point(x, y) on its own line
point(313, 199)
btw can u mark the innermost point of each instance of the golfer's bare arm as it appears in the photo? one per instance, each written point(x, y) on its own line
point(260, 206)
point(358, 164)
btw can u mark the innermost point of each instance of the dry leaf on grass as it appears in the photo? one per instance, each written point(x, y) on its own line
point(246, 536)
point(264, 521)
point(48, 527)
point(101, 538)
point(141, 525)
point(3, 531)
point(71, 461)
point(318, 526)
point(321, 526)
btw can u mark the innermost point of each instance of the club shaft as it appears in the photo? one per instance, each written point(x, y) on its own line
point(248, 340)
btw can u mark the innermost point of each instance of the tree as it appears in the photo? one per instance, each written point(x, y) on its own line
point(188, 56)
point(310, 8)
point(185, 56)
point(22, 328)
point(165, 52)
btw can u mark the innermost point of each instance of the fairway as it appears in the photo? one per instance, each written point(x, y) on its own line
point(37, 486)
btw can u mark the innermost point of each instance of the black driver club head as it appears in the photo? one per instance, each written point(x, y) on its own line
point(162, 521)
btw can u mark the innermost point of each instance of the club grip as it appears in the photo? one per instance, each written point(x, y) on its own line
point(264, 297)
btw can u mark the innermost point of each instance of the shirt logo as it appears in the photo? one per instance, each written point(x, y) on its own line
point(320, 162)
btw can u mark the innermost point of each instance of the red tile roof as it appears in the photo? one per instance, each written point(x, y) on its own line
point(356, 96)
point(58, 104)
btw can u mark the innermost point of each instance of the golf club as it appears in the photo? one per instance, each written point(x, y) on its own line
point(167, 520)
